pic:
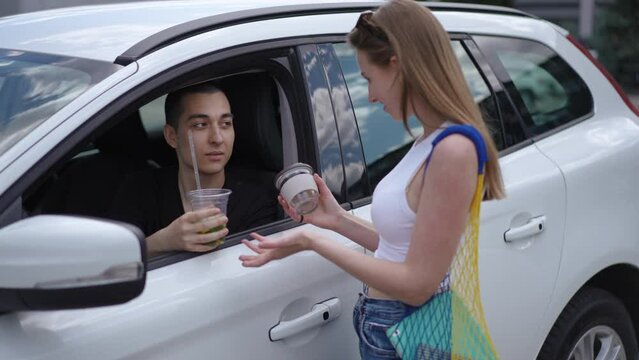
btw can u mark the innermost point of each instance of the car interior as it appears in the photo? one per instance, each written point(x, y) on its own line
point(136, 143)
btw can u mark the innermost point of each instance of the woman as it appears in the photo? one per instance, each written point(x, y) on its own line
point(420, 209)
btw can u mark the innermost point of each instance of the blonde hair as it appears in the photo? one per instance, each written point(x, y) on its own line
point(428, 68)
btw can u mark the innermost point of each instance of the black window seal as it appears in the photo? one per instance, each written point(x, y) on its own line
point(488, 78)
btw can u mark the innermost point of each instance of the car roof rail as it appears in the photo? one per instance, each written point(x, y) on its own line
point(187, 29)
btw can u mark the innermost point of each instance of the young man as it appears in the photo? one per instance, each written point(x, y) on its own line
point(156, 200)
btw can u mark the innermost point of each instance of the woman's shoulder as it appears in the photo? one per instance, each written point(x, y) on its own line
point(454, 146)
point(460, 141)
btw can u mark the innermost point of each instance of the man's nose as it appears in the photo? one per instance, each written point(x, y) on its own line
point(215, 135)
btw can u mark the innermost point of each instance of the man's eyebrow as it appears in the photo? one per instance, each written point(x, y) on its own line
point(205, 116)
point(197, 116)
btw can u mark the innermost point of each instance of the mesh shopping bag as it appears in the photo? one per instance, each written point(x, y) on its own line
point(451, 324)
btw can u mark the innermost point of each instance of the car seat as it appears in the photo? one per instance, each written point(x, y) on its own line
point(257, 150)
point(86, 185)
point(258, 136)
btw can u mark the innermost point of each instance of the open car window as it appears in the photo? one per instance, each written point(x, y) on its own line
point(133, 142)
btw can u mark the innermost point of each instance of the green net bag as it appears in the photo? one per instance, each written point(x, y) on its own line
point(451, 324)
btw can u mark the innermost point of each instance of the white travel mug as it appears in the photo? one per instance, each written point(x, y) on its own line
point(296, 184)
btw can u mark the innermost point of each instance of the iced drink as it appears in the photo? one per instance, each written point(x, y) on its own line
point(205, 198)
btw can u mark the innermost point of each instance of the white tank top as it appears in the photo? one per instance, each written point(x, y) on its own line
point(392, 216)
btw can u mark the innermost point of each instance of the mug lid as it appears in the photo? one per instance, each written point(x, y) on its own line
point(290, 171)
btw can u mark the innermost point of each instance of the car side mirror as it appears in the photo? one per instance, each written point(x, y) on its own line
point(51, 262)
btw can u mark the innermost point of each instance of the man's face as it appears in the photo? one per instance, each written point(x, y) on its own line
point(208, 117)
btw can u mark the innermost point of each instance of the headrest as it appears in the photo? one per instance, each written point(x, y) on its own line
point(255, 106)
point(126, 137)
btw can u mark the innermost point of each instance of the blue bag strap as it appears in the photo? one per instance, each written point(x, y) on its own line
point(471, 133)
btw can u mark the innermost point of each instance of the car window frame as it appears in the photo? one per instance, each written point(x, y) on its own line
point(513, 131)
point(356, 182)
point(515, 97)
point(137, 96)
point(237, 60)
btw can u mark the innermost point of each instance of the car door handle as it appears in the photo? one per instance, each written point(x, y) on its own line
point(320, 314)
point(534, 226)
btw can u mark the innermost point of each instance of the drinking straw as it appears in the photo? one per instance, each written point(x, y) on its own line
point(194, 160)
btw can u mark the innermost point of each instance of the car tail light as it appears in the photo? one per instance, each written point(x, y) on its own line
point(605, 72)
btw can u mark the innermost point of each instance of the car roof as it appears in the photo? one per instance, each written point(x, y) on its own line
point(123, 32)
point(103, 32)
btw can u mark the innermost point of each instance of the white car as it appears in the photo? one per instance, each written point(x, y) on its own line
point(81, 106)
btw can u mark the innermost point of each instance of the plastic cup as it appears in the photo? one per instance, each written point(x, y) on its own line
point(296, 184)
point(206, 198)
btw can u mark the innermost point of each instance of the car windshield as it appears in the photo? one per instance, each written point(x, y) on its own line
point(35, 86)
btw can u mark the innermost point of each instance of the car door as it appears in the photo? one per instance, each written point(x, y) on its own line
point(208, 305)
point(521, 236)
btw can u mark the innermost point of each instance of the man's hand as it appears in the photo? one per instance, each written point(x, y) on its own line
point(196, 231)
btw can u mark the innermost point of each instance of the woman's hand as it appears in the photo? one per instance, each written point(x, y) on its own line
point(327, 212)
point(266, 249)
point(196, 231)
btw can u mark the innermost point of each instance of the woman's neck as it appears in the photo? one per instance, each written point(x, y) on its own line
point(430, 119)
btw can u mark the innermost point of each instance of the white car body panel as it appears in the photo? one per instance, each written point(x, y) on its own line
point(508, 271)
point(185, 312)
point(601, 225)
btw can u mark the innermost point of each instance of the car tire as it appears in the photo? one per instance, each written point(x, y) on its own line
point(592, 314)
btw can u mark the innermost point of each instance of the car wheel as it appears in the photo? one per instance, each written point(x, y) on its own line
point(594, 325)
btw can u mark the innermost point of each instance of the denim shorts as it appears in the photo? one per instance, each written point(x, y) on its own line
point(371, 318)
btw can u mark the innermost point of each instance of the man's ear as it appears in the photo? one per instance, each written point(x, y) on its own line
point(170, 135)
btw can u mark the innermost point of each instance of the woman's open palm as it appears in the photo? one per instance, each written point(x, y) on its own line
point(265, 249)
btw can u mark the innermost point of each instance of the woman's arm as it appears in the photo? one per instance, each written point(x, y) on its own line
point(441, 220)
point(330, 215)
point(357, 229)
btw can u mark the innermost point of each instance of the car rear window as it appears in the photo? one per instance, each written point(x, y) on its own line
point(385, 142)
point(35, 86)
point(548, 91)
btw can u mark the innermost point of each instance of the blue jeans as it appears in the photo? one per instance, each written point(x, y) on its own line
point(371, 318)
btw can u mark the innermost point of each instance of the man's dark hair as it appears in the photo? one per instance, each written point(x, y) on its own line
point(173, 103)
